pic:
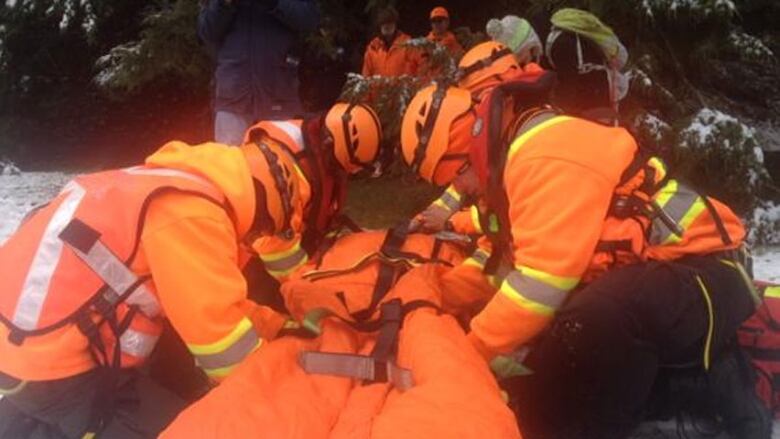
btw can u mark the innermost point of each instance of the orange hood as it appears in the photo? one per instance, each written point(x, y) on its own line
point(222, 165)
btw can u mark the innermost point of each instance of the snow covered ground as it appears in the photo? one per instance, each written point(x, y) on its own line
point(20, 193)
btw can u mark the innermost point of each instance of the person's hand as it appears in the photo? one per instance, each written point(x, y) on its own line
point(434, 219)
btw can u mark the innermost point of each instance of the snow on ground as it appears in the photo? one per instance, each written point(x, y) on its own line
point(20, 193)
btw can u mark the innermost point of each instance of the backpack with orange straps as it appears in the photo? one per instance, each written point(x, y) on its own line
point(759, 337)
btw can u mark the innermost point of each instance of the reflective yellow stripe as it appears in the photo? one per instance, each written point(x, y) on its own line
point(660, 168)
point(285, 262)
point(560, 282)
point(666, 193)
point(222, 372)
point(218, 346)
point(523, 138)
point(710, 326)
point(686, 221)
point(273, 257)
point(475, 219)
point(523, 302)
point(772, 292)
point(449, 200)
point(536, 290)
point(477, 259)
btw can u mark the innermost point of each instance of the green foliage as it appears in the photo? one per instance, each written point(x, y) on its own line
point(168, 48)
point(401, 197)
point(720, 154)
point(389, 96)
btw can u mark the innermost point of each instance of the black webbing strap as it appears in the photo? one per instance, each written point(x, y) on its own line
point(394, 240)
point(724, 234)
point(391, 315)
point(380, 366)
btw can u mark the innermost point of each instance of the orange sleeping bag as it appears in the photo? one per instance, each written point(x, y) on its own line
point(453, 393)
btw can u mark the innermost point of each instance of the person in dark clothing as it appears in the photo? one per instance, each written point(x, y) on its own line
point(324, 67)
point(257, 64)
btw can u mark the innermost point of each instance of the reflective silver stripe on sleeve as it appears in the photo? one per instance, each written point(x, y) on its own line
point(292, 130)
point(44, 263)
point(286, 263)
point(676, 208)
point(535, 290)
point(480, 256)
point(137, 343)
point(452, 203)
point(232, 355)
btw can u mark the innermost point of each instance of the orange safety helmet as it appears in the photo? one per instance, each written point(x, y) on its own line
point(356, 135)
point(484, 61)
point(436, 132)
point(276, 187)
point(439, 12)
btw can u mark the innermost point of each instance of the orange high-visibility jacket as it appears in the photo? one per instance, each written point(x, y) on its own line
point(560, 177)
point(453, 393)
point(170, 227)
point(323, 192)
point(394, 61)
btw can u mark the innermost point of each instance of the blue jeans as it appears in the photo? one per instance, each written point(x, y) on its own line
point(229, 128)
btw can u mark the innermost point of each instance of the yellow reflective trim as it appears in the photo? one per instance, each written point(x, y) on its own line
point(559, 282)
point(453, 192)
point(88, 435)
point(666, 193)
point(524, 302)
point(471, 262)
point(475, 219)
point(273, 257)
point(523, 138)
point(14, 389)
point(218, 346)
point(659, 166)
point(686, 221)
point(223, 372)
point(710, 328)
point(772, 292)
point(287, 272)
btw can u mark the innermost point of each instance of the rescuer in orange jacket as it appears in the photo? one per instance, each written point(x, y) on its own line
point(325, 150)
point(88, 279)
point(611, 269)
point(440, 33)
point(386, 54)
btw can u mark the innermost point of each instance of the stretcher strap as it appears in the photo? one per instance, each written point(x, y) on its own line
point(360, 367)
point(388, 273)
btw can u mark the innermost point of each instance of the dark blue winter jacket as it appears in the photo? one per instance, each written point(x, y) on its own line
point(256, 74)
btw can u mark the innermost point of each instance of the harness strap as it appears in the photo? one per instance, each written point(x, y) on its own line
point(388, 273)
point(724, 234)
point(380, 366)
point(360, 367)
